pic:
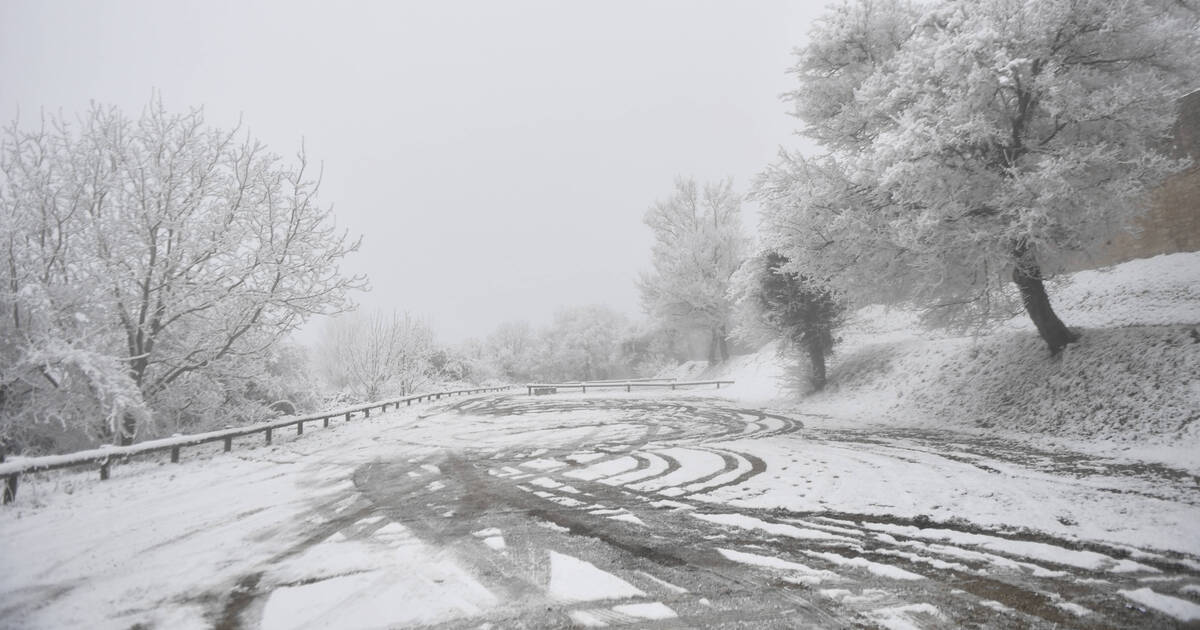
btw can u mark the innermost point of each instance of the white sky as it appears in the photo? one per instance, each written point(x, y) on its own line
point(497, 157)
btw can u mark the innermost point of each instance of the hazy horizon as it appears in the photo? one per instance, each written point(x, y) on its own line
point(497, 159)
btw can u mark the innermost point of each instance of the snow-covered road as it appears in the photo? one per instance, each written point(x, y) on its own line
point(614, 510)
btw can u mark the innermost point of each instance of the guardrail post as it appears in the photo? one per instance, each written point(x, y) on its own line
point(104, 470)
point(718, 384)
point(348, 414)
point(10, 488)
point(174, 454)
point(228, 444)
point(672, 385)
point(299, 428)
point(627, 386)
point(268, 432)
point(325, 421)
point(408, 403)
point(367, 412)
point(584, 388)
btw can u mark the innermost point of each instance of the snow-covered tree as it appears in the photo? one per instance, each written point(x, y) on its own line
point(976, 142)
point(698, 244)
point(149, 263)
point(479, 367)
point(648, 348)
point(379, 354)
point(798, 310)
point(512, 349)
point(582, 343)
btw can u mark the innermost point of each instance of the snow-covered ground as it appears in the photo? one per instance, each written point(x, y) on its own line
point(907, 496)
point(605, 509)
point(1130, 386)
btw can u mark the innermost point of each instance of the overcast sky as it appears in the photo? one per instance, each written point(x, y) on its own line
point(497, 157)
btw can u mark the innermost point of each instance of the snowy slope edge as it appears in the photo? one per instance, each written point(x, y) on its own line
point(1132, 377)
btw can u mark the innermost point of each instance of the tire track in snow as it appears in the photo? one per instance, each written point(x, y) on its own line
point(866, 581)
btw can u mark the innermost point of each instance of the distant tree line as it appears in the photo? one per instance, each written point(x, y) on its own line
point(152, 267)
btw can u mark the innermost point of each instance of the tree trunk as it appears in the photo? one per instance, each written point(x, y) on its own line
point(712, 347)
point(128, 429)
point(816, 359)
point(724, 342)
point(1028, 277)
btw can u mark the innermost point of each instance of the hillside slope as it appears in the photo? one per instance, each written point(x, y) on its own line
point(1134, 377)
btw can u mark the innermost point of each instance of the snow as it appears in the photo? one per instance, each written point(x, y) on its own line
point(371, 600)
point(575, 580)
point(157, 536)
point(900, 617)
point(543, 464)
point(693, 463)
point(1074, 609)
point(663, 583)
point(882, 570)
point(628, 518)
point(544, 482)
point(293, 513)
point(1125, 396)
point(802, 573)
point(657, 466)
point(779, 529)
point(911, 478)
point(743, 466)
point(652, 610)
point(1180, 609)
point(1089, 560)
point(587, 619)
point(604, 469)
point(1125, 385)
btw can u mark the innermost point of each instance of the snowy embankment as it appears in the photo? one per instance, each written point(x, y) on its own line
point(1133, 378)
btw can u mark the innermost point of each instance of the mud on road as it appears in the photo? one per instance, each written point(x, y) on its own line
point(632, 494)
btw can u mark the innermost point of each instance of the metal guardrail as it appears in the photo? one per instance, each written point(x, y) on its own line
point(618, 380)
point(628, 385)
point(105, 456)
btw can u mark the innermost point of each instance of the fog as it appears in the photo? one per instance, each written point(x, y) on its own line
point(496, 157)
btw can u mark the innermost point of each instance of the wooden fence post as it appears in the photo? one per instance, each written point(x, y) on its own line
point(228, 444)
point(367, 412)
point(348, 414)
point(325, 420)
point(174, 454)
point(300, 428)
point(408, 403)
point(104, 470)
point(268, 432)
point(627, 386)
